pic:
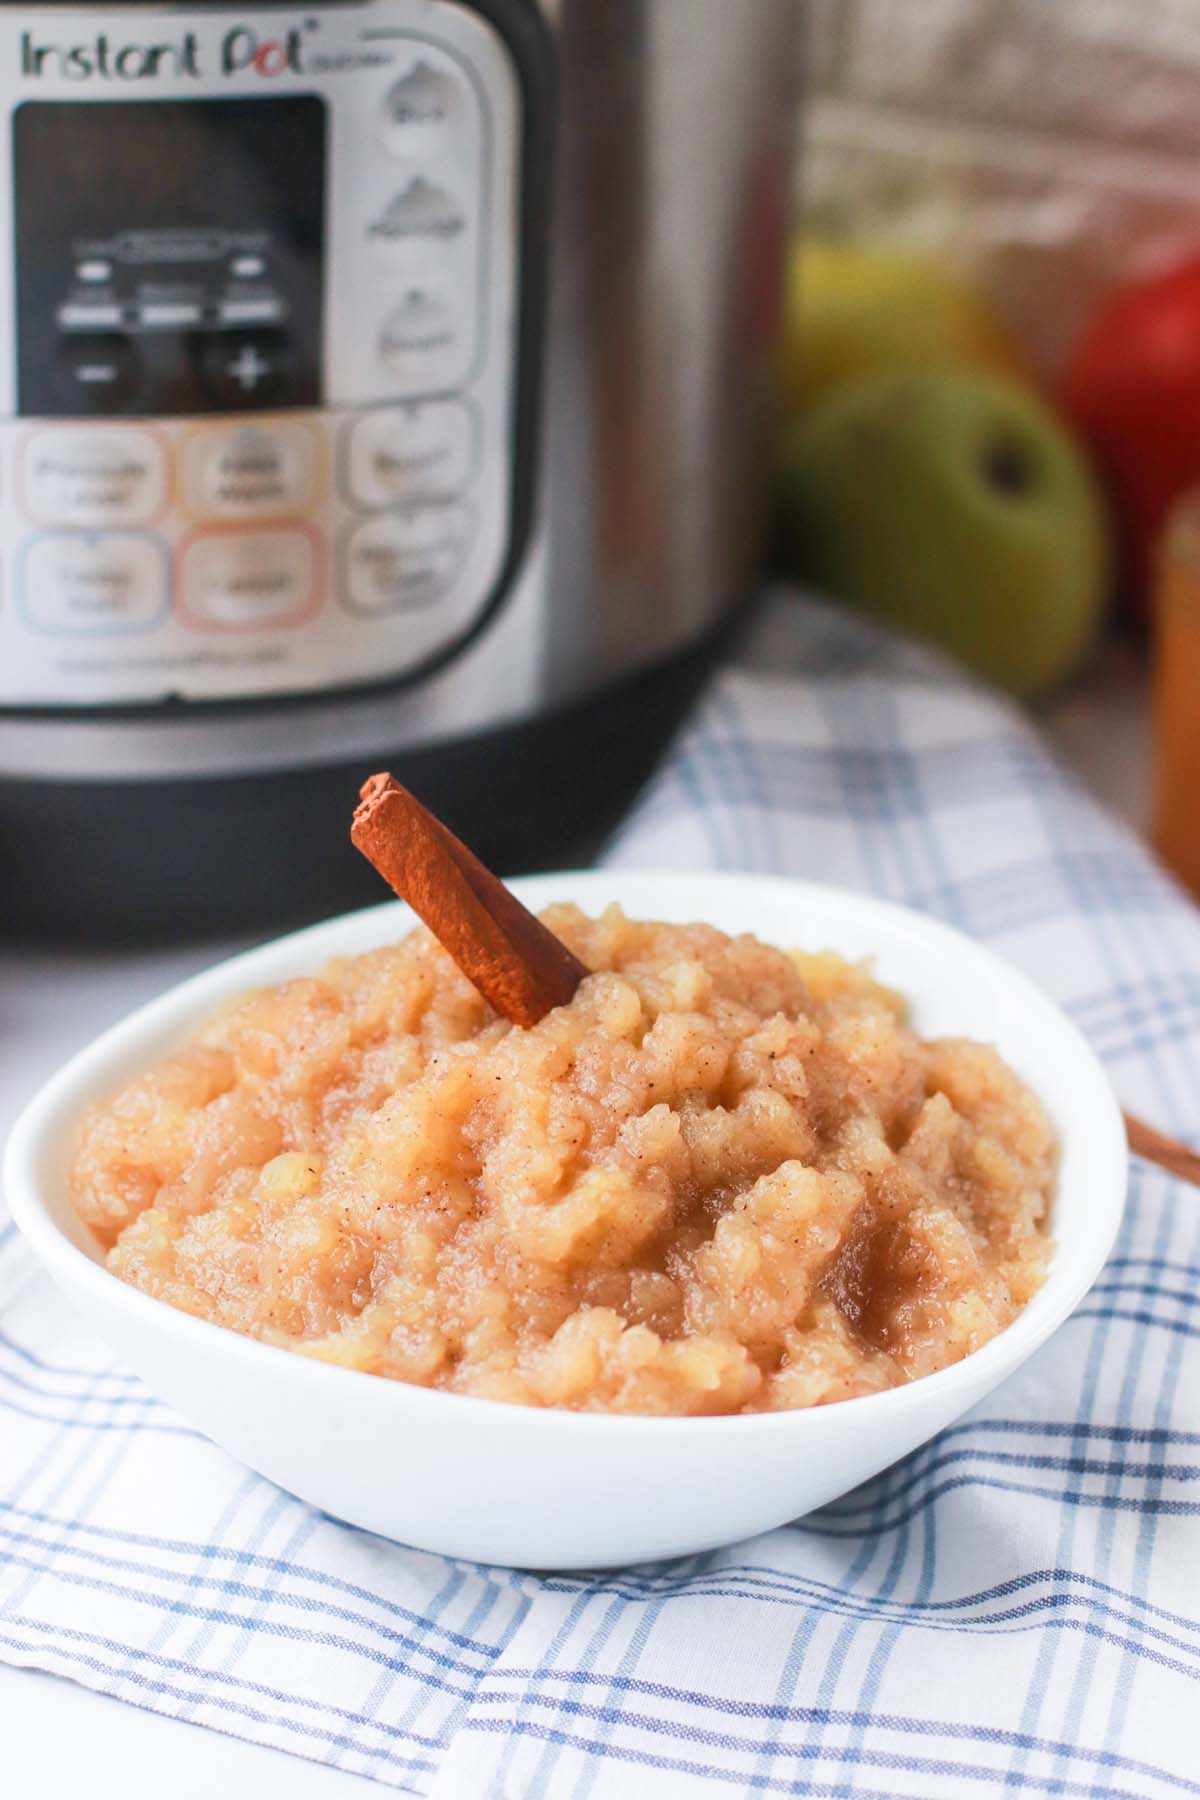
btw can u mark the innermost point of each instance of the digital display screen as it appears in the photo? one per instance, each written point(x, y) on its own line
point(169, 255)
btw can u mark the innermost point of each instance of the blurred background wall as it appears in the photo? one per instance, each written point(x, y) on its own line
point(1050, 146)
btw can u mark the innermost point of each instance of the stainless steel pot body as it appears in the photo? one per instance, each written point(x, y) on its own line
point(641, 167)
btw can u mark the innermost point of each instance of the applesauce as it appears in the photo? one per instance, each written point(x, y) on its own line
point(725, 1178)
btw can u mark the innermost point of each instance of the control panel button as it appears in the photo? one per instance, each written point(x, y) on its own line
point(421, 110)
point(422, 451)
point(99, 476)
point(91, 315)
point(250, 472)
point(422, 212)
point(80, 584)
point(245, 368)
point(423, 343)
point(405, 561)
point(240, 580)
point(169, 315)
point(254, 309)
point(96, 373)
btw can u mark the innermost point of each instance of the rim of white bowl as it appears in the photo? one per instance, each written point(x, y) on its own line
point(185, 1005)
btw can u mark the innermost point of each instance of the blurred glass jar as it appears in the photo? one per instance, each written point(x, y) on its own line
point(1176, 805)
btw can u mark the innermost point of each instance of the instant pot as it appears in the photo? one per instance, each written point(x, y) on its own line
point(382, 383)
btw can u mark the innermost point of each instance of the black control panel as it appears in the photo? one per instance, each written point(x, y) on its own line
point(169, 255)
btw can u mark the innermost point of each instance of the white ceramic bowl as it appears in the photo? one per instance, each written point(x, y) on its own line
point(543, 1489)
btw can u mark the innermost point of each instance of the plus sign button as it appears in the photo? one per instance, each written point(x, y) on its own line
point(246, 369)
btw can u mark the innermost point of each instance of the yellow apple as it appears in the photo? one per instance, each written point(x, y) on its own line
point(854, 310)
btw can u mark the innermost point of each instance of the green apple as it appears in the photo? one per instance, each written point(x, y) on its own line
point(954, 505)
point(854, 310)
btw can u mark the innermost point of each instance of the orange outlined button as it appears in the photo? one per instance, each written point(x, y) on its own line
point(233, 579)
point(252, 469)
point(92, 476)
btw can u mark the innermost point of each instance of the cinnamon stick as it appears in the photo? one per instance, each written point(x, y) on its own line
point(1165, 1152)
point(519, 967)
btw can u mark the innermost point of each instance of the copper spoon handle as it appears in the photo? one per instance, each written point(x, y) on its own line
point(1168, 1153)
point(519, 967)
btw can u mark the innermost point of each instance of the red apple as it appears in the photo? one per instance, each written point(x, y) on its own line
point(1133, 390)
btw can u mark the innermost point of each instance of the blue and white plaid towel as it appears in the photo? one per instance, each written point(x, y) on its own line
point(1015, 1607)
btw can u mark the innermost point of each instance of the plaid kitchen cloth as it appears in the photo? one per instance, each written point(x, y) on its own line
point(1016, 1606)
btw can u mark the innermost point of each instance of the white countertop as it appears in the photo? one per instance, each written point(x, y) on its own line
point(59, 1740)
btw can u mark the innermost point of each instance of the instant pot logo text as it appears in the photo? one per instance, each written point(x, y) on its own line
point(240, 50)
